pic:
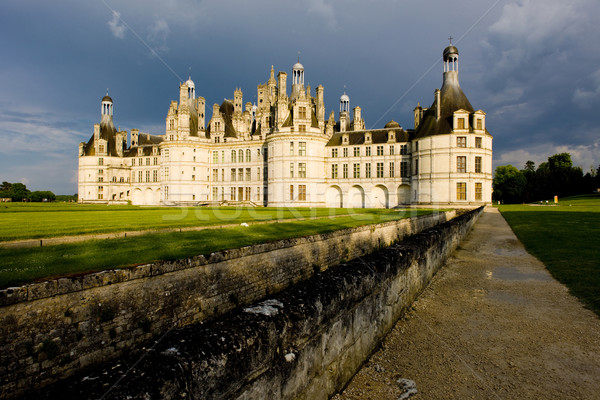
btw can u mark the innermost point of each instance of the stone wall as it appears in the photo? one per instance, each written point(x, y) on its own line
point(304, 343)
point(53, 329)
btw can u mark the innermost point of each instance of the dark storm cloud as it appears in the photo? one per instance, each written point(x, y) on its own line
point(531, 65)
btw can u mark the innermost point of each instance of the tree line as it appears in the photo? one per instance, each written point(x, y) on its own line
point(556, 177)
point(19, 192)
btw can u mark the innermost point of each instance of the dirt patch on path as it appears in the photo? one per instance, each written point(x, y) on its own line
point(493, 324)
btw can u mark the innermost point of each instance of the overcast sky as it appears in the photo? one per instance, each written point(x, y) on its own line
point(532, 65)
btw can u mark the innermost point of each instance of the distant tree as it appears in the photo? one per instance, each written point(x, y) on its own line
point(530, 166)
point(560, 161)
point(509, 184)
point(41, 195)
point(18, 192)
point(5, 186)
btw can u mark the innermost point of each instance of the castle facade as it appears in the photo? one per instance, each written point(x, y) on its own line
point(282, 151)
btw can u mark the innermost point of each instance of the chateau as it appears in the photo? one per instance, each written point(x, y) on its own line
point(283, 151)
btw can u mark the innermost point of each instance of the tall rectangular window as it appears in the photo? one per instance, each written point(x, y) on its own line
point(302, 170)
point(478, 142)
point(139, 176)
point(291, 170)
point(417, 167)
point(345, 152)
point(334, 152)
point(232, 193)
point(357, 152)
point(233, 174)
point(233, 156)
point(248, 155)
point(345, 171)
point(301, 148)
point(215, 193)
point(461, 141)
point(248, 174)
point(392, 149)
point(155, 161)
point(147, 176)
point(379, 150)
point(147, 160)
point(461, 191)
point(368, 151)
point(478, 165)
point(356, 170)
point(461, 123)
point(478, 191)
point(215, 157)
point(392, 170)
point(404, 169)
point(368, 169)
point(291, 148)
point(404, 149)
point(302, 112)
point(301, 128)
point(302, 192)
point(101, 161)
point(380, 170)
point(479, 124)
point(334, 171)
point(291, 192)
point(155, 176)
point(461, 164)
point(241, 174)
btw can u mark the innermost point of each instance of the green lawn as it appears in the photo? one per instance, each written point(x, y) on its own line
point(566, 238)
point(19, 266)
point(42, 220)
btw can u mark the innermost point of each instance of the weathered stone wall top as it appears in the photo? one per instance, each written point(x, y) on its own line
point(58, 286)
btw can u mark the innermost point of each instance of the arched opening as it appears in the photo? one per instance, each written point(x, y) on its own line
point(148, 196)
point(403, 194)
point(333, 197)
point(137, 197)
point(356, 197)
point(380, 197)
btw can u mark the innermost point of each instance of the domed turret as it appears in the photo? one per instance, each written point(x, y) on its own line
point(392, 124)
point(344, 103)
point(107, 105)
point(450, 51)
point(450, 57)
point(191, 88)
point(298, 74)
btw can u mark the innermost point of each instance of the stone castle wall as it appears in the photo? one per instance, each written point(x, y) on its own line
point(52, 329)
point(305, 342)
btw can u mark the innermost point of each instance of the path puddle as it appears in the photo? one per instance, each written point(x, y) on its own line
point(514, 274)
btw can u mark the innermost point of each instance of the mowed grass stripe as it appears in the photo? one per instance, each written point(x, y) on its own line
point(18, 266)
point(33, 221)
point(566, 238)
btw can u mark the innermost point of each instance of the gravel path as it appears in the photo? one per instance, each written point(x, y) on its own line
point(493, 324)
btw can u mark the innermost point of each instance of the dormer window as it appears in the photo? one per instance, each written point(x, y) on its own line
point(460, 123)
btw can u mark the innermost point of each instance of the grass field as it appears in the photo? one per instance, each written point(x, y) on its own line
point(23, 265)
point(42, 220)
point(566, 238)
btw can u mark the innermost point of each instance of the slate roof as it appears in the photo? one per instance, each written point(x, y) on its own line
point(378, 136)
point(452, 99)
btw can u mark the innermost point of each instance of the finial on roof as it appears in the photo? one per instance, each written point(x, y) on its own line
point(298, 56)
point(189, 73)
point(107, 91)
point(450, 39)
